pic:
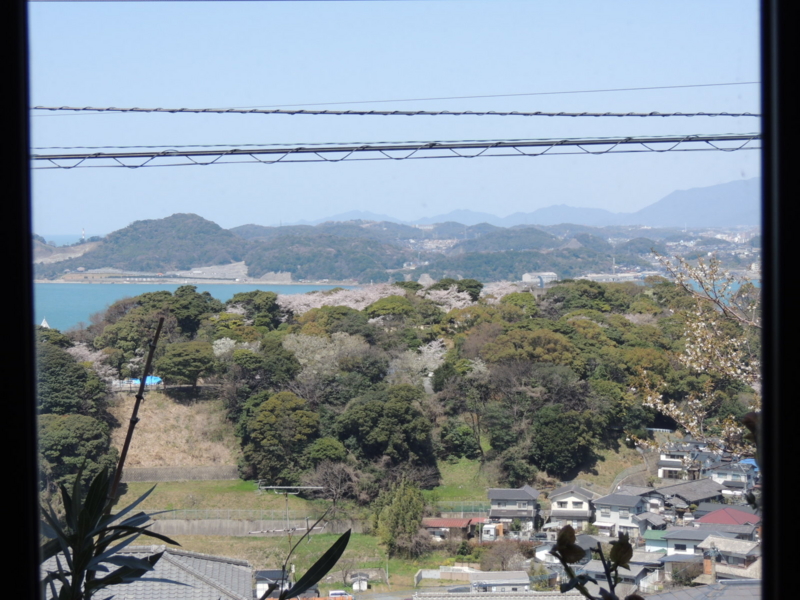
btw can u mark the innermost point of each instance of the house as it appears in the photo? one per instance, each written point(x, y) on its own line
point(632, 576)
point(272, 577)
point(571, 505)
point(649, 520)
point(706, 507)
point(448, 528)
point(737, 478)
point(733, 590)
point(198, 576)
point(748, 531)
point(510, 504)
point(731, 559)
point(500, 581)
point(685, 540)
point(614, 514)
point(673, 461)
point(684, 494)
point(731, 515)
point(656, 501)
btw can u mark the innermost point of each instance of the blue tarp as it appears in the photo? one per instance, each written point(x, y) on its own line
point(151, 380)
point(750, 461)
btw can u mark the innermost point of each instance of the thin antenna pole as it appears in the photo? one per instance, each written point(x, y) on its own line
point(112, 493)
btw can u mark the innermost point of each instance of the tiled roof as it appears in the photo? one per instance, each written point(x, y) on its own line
point(573, 488)
point(694, 491)
point(731, 589)
point(204, 577)
point(446, 523)
point(624, 500)
point(694, 533)
point(512, 512)
point(732, 546)
point(526, 492)
point(729, 516)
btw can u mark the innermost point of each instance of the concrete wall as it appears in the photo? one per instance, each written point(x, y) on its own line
point(235, 527)
point(180, 473)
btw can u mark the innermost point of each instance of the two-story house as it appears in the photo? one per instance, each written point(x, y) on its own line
point(686, 540)
point(572, 505)
point(510, 504)
point(738, 478)
point(614, 514)
point(654, 499)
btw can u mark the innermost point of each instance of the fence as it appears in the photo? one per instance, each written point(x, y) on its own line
point(250, 528)
point(463, 508)
point(188, 514)
point(160, 474)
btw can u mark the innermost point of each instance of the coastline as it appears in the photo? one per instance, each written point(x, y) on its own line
point(196, 281)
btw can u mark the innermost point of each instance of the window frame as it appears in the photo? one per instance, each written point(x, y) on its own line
point(778, 51)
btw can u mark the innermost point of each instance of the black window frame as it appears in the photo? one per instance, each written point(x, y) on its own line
point(779, 52)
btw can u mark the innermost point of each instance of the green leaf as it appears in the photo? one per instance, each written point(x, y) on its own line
point(319, 569)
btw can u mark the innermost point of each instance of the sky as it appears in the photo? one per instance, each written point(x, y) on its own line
point(323, 54)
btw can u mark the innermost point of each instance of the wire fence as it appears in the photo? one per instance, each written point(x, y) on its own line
point(190, 514)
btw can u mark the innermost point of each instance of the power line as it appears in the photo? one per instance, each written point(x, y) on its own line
point(597, 91)
point(386, 113)
point(407, 151)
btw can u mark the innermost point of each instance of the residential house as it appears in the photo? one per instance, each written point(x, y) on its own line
point(730, 590)
point(656, 501)
point(706, 507)
point(278, 579)
point(748, 531)
point(649, 520)
point(685, 540)
point(731, 559)
point(197, 576)
point(500, 581)
point(571, 505)
point(738, 478)
point(614, 514)
point(449, 528)
point(733, 519)
point(510, 504)
point(632, 576)
point(673, 461)
point(682, 495)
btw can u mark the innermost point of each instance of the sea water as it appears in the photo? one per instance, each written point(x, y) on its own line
point(66, 305)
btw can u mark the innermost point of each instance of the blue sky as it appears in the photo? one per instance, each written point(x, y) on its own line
point(266, 54)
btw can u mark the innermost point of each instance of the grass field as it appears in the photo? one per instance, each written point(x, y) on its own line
point(232, 494)
point(462, 480)
point(363, 551)
point(175, 434)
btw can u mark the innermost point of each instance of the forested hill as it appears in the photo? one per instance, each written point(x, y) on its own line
point(178, 242)
point(366, 251)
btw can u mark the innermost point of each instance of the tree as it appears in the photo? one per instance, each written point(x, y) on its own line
point(388, 423)
point(562, 441)
point(185, 362)
point(64, 386)
point(279, 431)
point(66, 442)
point(189, 307)
point(398, 518)
point(721, 343)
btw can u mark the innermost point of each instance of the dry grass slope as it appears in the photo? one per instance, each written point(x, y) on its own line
point(170, 434)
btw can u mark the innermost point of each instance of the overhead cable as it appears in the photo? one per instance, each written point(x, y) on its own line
point(403, 151)
point(596, 91)
point(385, 113)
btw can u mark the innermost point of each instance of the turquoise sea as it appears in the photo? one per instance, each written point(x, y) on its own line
point(65, 305)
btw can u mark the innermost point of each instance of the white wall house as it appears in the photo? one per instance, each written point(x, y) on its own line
point(688, 540)
point(614, 514)
point(572, 505)
point(738, 478)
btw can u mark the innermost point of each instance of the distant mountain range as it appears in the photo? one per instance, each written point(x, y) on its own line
point(732, 204)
